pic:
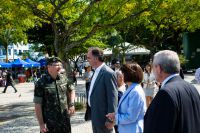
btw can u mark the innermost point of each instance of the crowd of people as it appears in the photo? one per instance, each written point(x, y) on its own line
point(125, 98)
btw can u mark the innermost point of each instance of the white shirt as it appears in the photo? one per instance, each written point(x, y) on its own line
point(168, 78)
point(122, 88)
point(149, 80)
point(93, 81)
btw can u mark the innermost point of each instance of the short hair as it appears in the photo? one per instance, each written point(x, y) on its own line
point(52, 60)
point(97, 52)
point(132, 73)
point(168, 61)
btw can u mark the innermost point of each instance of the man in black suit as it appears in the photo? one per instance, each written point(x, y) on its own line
point(102, 97)
point(176, 107)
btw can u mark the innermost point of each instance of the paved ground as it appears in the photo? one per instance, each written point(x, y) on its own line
point(17, 110)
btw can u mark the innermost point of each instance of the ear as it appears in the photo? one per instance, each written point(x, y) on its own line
point(159, 69)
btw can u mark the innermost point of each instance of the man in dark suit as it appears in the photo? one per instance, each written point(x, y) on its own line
point(103, 94)
point(176, 107)
point(9, 82)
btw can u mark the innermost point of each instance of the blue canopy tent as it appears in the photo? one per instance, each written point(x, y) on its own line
point(33, 63)
point(20, 63)
point(5, 65)
point(43, 62)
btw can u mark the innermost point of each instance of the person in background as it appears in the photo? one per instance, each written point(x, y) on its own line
point(9, 82)
point(74, 76)
point(35, 76)
point(149, 84)
point(102, 97)
point(181, 73)
point(176, 106)
point(120, 83)
point(28, 74)
point(121, 89)
point(54, 99)
point(132, 105)
point(87, 77)
point(117, 66)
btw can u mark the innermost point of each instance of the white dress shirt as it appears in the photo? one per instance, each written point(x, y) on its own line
point(93, 81)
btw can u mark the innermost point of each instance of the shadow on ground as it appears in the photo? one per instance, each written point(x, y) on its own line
point(13, 111)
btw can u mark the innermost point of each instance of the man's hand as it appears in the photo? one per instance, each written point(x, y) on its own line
point(110, 121)
point(109, 125)
point(71, 110)
point(111, 116)
point(43, 128)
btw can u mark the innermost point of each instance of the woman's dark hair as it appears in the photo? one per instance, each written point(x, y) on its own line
point(149, 65)
point(132, 73)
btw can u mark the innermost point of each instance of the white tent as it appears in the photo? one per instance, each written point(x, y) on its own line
point(107, 51)
point(132, 50)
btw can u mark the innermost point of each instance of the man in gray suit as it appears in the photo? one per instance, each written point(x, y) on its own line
point(102, 93)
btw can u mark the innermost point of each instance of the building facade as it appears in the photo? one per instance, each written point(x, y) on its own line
point(14, 51)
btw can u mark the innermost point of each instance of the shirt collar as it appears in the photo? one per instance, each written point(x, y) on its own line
point(99, 68)
point(168, 78)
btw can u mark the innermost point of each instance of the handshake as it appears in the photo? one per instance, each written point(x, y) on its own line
point(110, 120)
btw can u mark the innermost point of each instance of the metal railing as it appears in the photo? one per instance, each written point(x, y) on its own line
point(81, 97)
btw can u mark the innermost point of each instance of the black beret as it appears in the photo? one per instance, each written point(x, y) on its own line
point(53, 60)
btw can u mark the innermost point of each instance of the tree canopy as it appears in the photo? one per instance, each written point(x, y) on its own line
point(74, 25)
point(76, 22)
point(13, 23)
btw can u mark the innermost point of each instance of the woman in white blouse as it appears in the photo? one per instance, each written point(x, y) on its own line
point(149, 83)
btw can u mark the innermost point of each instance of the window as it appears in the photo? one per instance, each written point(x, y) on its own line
point(15, 51)
point(9, 51)
point(20, 52)
point(4, 52)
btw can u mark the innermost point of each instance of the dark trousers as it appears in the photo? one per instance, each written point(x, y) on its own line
point(101, 130)
point(116, 129)
point(88, 109)
point(62, 127)
point(9, 84)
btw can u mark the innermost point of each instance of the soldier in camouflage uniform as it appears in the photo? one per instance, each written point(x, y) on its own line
point(54, 99)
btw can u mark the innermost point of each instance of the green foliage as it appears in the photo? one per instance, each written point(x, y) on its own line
point(79, 24)
point(182, 59)
point(14, 23)
point(79, 106)
point(76, 23)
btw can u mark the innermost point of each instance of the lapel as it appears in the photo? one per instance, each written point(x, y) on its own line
point(98, 78)
point(126, 93)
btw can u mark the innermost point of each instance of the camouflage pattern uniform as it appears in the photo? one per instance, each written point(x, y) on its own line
point(52, 95)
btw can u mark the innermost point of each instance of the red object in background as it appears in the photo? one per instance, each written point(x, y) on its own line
point(22, 79)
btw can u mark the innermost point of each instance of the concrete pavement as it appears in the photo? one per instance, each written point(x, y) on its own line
point(17, 110)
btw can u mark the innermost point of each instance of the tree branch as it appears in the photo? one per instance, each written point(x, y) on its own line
point(39, 13)
point(79, 20)
point(125, 19)
point(84, 39)
point(97, 27)
point(57, 8)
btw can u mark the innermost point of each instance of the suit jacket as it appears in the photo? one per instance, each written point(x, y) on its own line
point(175, 109)
point(131, 110)
point(103, 98)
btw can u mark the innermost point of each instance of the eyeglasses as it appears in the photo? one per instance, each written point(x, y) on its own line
point(56, 65)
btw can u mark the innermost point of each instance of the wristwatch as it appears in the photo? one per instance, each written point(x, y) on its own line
point(71, 104)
